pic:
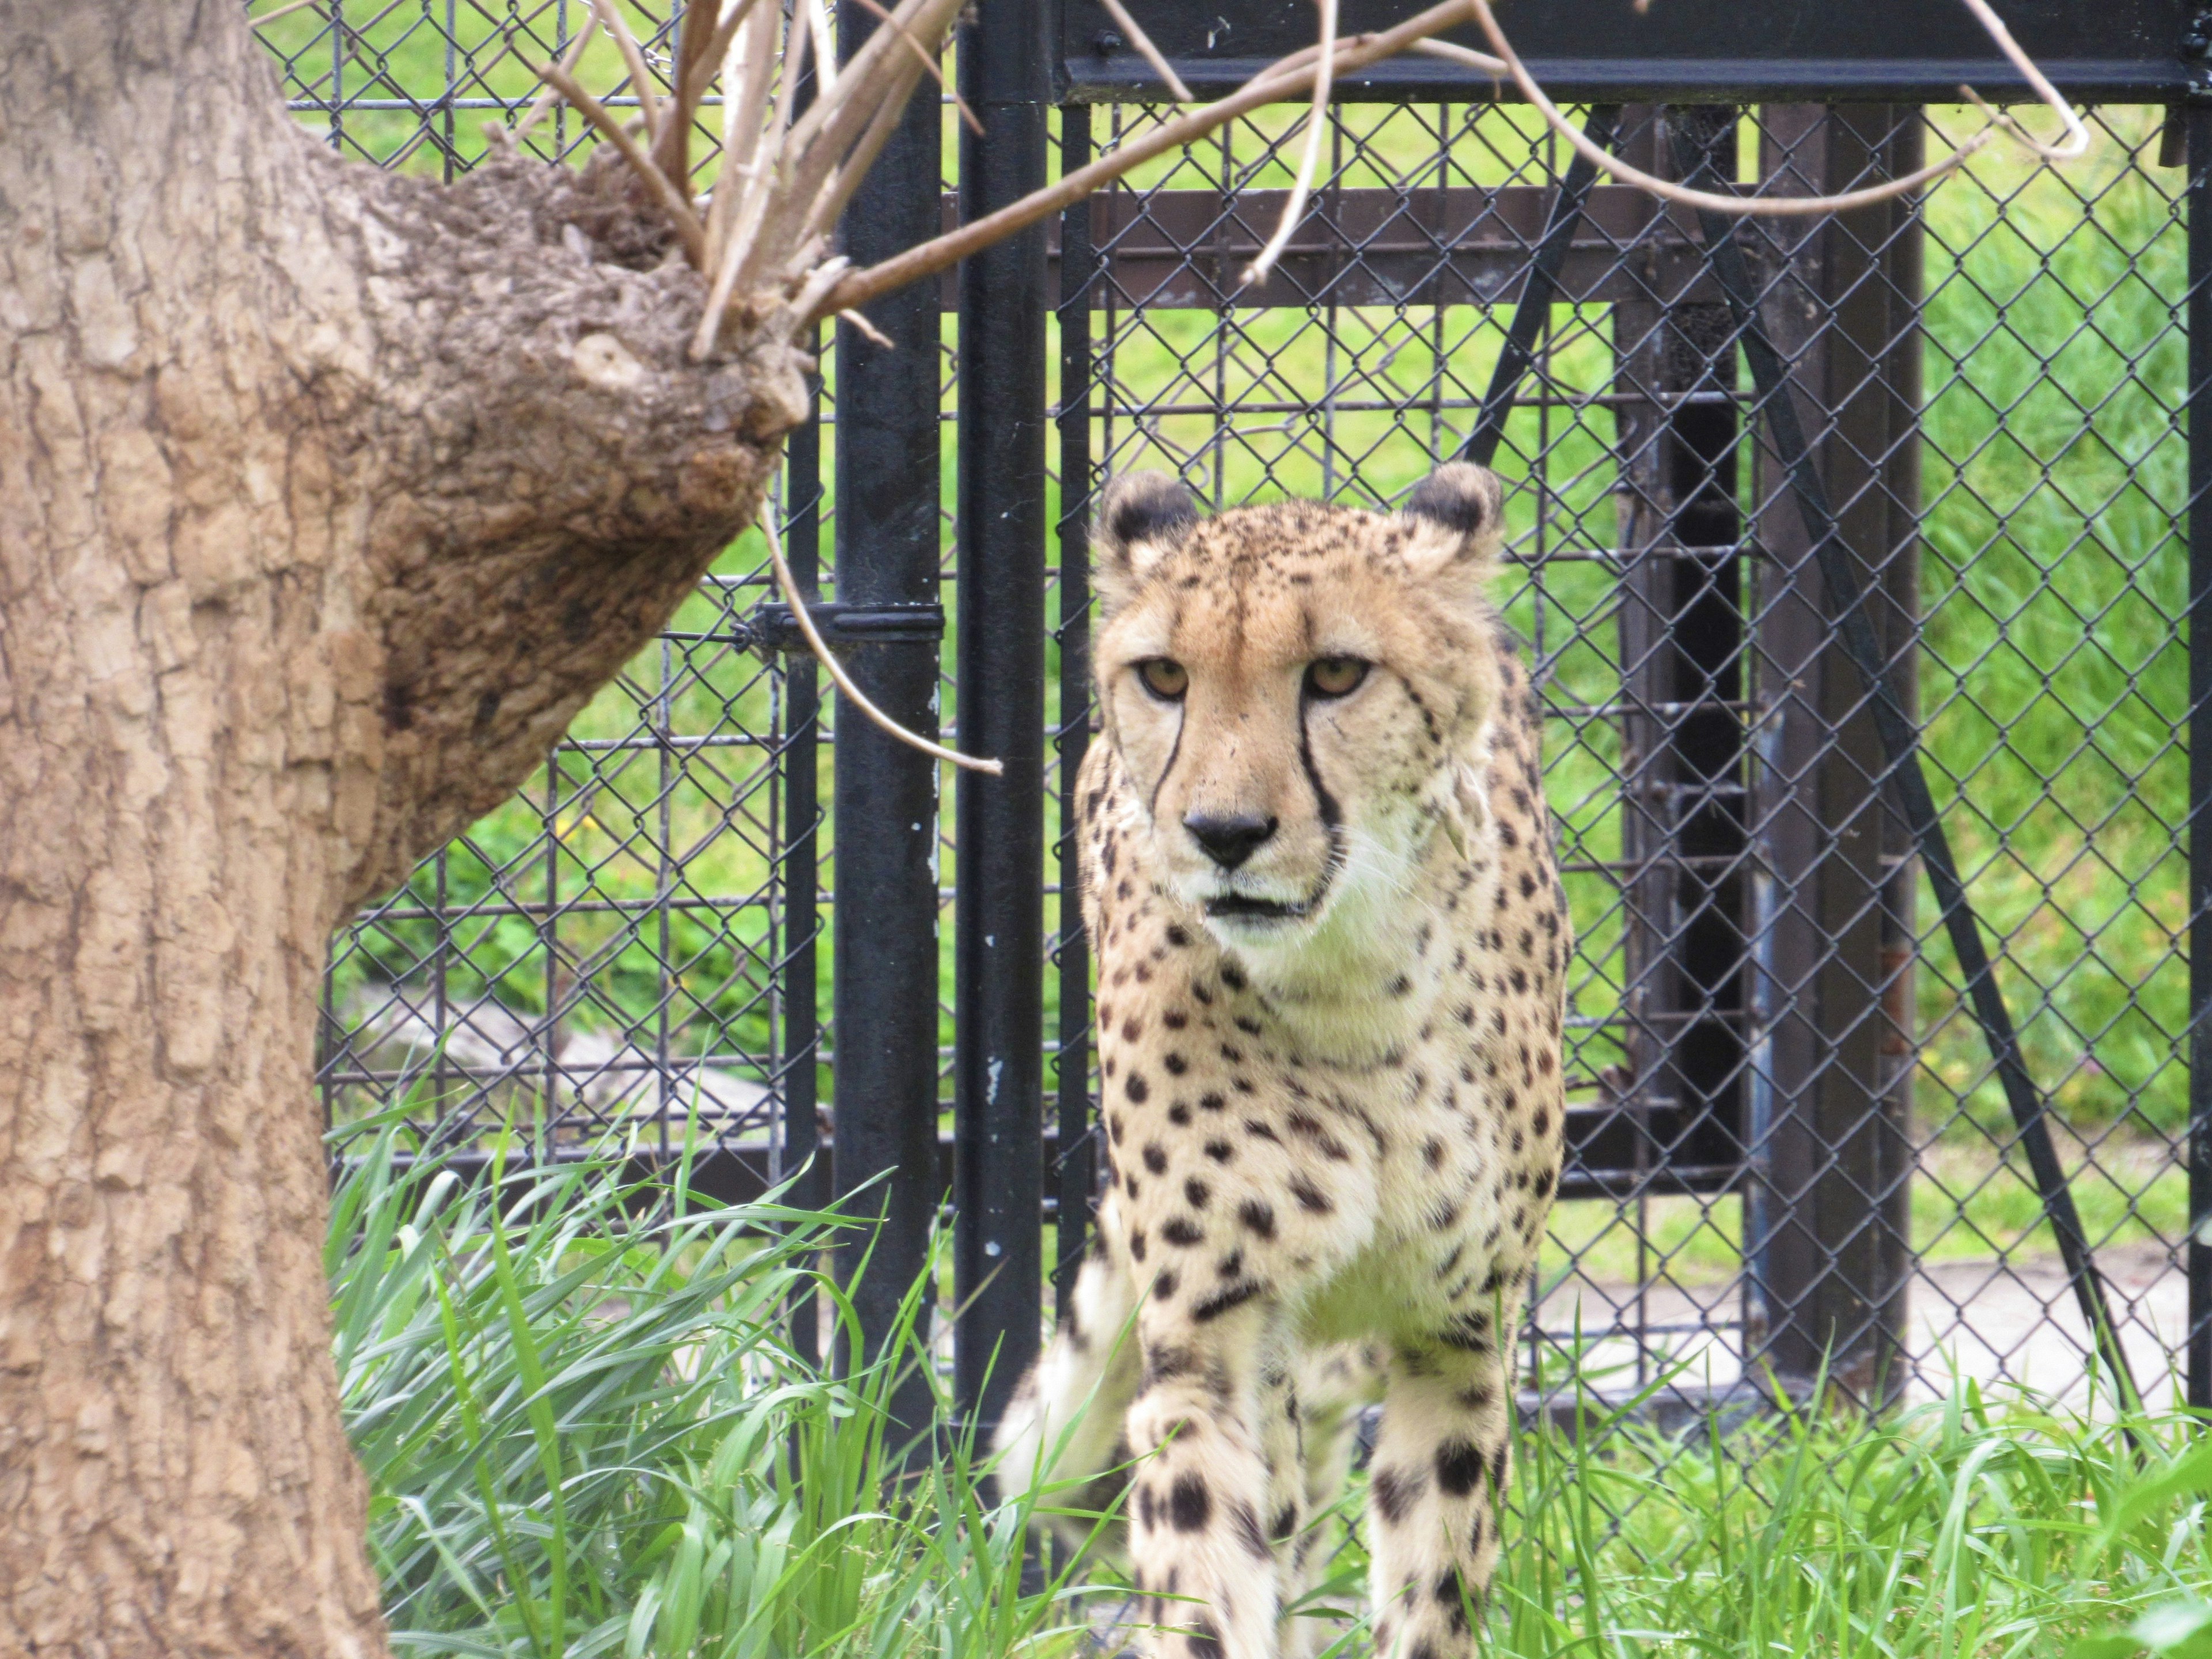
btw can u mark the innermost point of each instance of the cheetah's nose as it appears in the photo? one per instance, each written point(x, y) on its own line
point(1229, 837)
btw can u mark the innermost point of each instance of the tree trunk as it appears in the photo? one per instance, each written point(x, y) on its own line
point(326, 499)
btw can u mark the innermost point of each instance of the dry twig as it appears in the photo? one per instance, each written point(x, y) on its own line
point(641, 78)
point(284, 10)
point(929, 64)
point(1785, 206)
point(853, 694)
point(1309, 159)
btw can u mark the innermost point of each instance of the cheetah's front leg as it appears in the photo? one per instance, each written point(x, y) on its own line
point(1197, 1429)
point(1438, 1480)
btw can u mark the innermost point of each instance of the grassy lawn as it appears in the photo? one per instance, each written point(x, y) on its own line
point(1967, 1200)
point(584, 1440)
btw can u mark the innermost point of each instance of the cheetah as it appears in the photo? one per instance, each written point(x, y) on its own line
point(1331, 942)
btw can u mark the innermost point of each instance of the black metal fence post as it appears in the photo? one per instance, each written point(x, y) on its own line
point(884, 932)
point(1834, 1254)
point(801, 875)
point(999, 912)
point(2200, 754)
point(1075, 1177)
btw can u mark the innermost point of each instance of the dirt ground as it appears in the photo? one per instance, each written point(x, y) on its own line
point(1981, 1318)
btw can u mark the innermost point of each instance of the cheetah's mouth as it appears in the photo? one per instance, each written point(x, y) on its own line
point(1245, 907)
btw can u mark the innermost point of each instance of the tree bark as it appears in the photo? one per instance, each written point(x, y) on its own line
point(327, 500)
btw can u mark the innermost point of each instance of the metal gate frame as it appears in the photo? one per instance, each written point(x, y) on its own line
point(1020, 1155)
point(999, 1102)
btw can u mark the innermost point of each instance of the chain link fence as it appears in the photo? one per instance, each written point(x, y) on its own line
point(1788, 1145)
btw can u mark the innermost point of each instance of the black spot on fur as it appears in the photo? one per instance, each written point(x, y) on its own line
point(1233, 976)
point(1393, 1494)
point(1190, 1506)
point(1212, 1103)
point(1183, 1232)
point(1459, 1465)
point(1166, 1363)
point(1156, 1157)
point(1164, 1287)
point(1219, 1150)
point(1258, 1217)
point(1310, 1197)
point(1195, 1193)
point(1136, 1243)
point(1212, 1307)
point(1137, 1088)
point(1176, 1064)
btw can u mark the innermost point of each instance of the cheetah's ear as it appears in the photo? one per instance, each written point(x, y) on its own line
point(1457, 514)
point(1142, 518)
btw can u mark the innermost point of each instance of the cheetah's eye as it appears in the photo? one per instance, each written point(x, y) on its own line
point(1335, 677)
point(1165, 679)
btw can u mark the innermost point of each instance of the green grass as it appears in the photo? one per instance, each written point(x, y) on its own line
point(1967, 1200)
point(586, 1435)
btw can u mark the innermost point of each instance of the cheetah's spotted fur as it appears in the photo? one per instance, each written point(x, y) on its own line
point(1332, 1093)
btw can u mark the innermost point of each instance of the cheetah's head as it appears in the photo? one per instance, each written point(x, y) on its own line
point(1299, 692)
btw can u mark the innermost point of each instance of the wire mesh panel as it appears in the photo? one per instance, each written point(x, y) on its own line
point(607, 951)
point(1787, 1147)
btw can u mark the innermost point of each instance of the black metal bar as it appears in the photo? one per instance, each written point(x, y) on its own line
point(2199, 120)
point(1683, 52)
point(1900, 743)
point(998, 1066)
point(1541, 288)
point(885, 927)
point(1076, 1173)
point(802, 822)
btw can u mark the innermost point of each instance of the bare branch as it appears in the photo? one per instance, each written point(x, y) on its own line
point(853, 694)
point(2077, 136)
point(284, 10)
point(1492, 67)
point(1775, 206)
point(1294, 206)
point(679, 210)
point(543, 100)
point(928, 62)
point(641, 78)
point(714, 60)
point(868, 330)
point(1293, 74)
point(1145, 50)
